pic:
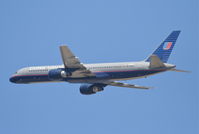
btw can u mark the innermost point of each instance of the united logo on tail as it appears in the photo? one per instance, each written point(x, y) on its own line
point(167, 45)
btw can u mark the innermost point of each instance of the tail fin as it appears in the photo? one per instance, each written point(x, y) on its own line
point(165, 49)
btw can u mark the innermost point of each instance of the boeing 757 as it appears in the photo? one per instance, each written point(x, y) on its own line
point(95, 77)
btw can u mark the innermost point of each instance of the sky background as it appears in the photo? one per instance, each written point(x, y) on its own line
point(98, 31)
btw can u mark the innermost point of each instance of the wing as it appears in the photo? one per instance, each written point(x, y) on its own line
point(71, 61)
point(119, 84)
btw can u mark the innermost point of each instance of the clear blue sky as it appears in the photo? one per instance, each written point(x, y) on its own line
point(98, 31)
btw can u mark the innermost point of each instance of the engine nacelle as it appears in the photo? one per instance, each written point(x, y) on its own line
point(88, 89)
point(57, 74)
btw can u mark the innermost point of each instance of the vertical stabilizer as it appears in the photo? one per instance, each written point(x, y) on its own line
point(164, 50)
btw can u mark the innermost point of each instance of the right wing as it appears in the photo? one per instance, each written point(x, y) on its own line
point(71, 61)
point(119, 84)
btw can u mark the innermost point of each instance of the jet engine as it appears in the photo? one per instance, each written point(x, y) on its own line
point(88, 89)
point(58, 74)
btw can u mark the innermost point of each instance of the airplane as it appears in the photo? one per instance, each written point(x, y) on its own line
point(95, 77)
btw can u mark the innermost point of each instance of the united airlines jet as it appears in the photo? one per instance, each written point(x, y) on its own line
point(94, 77)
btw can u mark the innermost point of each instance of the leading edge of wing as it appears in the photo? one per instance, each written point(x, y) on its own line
point(119, 84)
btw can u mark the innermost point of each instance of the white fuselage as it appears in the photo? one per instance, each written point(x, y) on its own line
point(110, 71)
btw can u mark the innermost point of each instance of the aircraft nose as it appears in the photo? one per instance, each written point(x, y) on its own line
point(13, 79)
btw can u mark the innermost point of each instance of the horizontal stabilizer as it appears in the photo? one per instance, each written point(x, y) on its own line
point(155, 62)
point(177, 70)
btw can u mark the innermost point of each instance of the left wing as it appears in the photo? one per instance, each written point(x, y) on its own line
point(119, 84)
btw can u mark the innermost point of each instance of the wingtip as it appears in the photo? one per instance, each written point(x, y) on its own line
point(63, 45)
point(148, 88)
point(151, 87)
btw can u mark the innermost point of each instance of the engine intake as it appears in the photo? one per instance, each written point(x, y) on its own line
point(58, 74)
point(88, 89)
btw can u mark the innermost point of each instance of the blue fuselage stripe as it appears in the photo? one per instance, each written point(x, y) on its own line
point(99, 75)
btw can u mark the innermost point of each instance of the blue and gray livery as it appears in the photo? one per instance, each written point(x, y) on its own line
point(94, 77)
